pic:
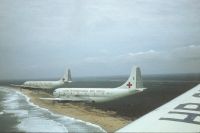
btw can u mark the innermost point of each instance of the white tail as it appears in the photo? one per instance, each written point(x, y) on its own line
point(134, 81)
point(67, 76)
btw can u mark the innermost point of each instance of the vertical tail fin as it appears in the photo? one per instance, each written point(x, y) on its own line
point(67, 76)
point(134, 81)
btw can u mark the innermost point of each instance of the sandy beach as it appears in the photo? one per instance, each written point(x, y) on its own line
point(108, 120)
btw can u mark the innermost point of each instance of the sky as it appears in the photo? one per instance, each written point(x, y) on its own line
point(41, 38)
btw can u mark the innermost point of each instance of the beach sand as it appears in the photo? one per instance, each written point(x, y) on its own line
point(108, 120)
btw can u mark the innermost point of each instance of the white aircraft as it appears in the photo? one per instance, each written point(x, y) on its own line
point(181, 114)
point(133, 85)
point(46, 85)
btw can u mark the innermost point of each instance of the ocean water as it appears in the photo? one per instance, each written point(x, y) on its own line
point(18, 114)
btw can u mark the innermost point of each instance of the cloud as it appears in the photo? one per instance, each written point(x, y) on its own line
point(127, 58)
point(145, 55)
point(185, 58)
point(187, 53)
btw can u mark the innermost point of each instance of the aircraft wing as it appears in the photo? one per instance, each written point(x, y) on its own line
point(17, 85)
point(52, 99)
point(23, 86)
point(181, 114)
point(28, 87)
point(70, 99)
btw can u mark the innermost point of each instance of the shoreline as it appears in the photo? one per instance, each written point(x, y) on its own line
point(107, 120)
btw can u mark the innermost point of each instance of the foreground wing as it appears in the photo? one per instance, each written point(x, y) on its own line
point(181, 114)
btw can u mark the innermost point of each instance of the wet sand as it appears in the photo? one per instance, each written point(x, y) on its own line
point(108, 120)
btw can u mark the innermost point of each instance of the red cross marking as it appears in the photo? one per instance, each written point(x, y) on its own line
point(129, 85)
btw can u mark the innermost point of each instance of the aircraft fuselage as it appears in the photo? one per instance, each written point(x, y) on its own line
point(94, 94)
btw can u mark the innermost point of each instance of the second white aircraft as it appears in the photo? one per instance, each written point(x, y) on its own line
point(133, 85)
point(46, 85)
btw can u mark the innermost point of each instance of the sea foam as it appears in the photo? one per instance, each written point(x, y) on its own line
point(33, 118)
